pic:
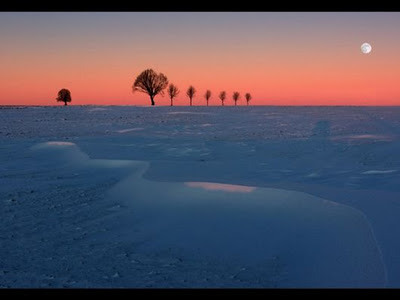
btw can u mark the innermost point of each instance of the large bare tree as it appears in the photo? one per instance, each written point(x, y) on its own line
point(248, 98)
point(64, 95)
point(190, 93)
point(222, 97)
point(207, 95)
point(172, 92)
point(236, 96)
point(150, 83)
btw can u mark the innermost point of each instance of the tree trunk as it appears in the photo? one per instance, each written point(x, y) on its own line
point(235, 103)
point(207, 102)
point(152, 100)
point(247, 103)
point(172, 102)
point(190, 101)
point(65, 103)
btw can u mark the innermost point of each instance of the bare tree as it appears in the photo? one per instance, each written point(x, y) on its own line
point(190, 93)
point(64, 95)
point(150, 83)
point(172, 92)
point(222, 97)
point(207, 95)
point(236, 96)
point(248, 98)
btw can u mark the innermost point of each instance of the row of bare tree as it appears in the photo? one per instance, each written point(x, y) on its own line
point(173, 92)
point(152, 84)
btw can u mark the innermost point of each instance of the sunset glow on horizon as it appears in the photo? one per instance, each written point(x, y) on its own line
point(280, 58)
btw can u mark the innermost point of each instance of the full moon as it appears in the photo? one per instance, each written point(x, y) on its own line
point(366, 48)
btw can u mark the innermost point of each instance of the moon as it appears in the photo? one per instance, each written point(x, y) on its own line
point(366, 48)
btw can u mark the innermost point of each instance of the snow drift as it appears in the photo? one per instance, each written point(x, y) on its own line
point(319, 243)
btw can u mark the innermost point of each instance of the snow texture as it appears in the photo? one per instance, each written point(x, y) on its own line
point(199, 197)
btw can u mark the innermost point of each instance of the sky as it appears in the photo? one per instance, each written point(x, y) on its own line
point(281, 58)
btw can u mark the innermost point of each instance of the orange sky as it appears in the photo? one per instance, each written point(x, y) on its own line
point(280, 58)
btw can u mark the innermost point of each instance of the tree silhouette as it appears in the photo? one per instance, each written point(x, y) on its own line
point(207, 95)
point(64, 95)
point(150, 83)
point(248, 98)
point(222, 96)
point(172, 92)
point(190, 93)
point(236, 96)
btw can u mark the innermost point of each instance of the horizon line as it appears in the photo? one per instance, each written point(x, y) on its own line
point(256, 105)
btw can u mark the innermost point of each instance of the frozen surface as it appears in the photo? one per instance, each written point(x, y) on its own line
point(199, 197)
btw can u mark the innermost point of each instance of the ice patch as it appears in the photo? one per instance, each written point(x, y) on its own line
point(185, 151)
point(364, 137)
point(53, 144)
point(369, 136)
point(313, 175)
point(372, 172)
point(129, 129)
point(212, 186)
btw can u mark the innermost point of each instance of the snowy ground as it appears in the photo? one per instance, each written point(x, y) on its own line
point(200, 197)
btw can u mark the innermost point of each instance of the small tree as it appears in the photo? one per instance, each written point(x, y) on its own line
point(150, 83)
point(64, 95)
point(222, 97)
point(172, 92)
point(190, 93)
point(236, 96)
point(207, 95)
point(248, 98)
